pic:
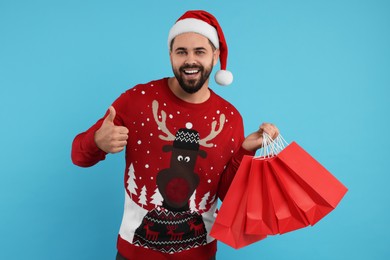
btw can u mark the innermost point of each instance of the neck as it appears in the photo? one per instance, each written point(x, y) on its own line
point(200, 96)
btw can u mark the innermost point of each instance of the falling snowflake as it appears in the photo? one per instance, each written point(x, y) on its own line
point(189, 125)
point(209, 181)
point(146, 166)
point(143, 92)
point(139, 142)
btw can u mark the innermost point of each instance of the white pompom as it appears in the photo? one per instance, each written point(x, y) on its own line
point(224, 77)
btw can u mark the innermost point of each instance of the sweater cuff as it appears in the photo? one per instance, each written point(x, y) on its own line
point(90, 145)
point(242, 151)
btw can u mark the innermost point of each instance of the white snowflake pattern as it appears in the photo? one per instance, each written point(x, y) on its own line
point(189, 125)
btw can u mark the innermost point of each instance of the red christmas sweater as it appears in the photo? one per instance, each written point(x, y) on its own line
point(180, 158)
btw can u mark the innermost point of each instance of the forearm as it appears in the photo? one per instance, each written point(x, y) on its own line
point(85, 152)
point(230, 171)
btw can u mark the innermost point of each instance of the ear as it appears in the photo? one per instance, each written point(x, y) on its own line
point(216, 56)
point(202, 153)
point(167, 148)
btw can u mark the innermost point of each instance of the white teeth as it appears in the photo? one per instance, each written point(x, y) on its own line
point(191, 71)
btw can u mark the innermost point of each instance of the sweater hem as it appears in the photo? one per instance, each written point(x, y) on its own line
point(131, 251)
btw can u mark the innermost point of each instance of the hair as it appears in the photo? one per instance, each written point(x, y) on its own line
point(212, 45)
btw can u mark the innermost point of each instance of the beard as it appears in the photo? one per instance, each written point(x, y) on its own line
point(192, 85)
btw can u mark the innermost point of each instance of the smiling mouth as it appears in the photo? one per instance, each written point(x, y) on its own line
point(191, 72)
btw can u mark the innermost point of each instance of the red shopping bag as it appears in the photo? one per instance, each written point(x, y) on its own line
point(269, 206)
point(260, 214)
point(288, 191)
point(229, 226)
point(314, 190)
point(288, 215)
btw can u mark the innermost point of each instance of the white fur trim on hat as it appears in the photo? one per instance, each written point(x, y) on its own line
point(223, 77)
point(196, 26)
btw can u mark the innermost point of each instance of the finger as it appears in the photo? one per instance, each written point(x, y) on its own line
point(118, 149)
point(122, 137)
point(119, 144)
point(270, 129)
point(122, 130)
point(111, 116)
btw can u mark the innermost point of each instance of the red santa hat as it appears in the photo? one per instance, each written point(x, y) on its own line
point(207, 25)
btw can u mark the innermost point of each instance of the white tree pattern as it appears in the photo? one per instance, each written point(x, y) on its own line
point(142, 197)
point(202, 204)
point(157, 198)
point(131, 185)
point(192, 202)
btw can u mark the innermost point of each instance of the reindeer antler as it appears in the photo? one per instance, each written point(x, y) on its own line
point(162, 124)
point(213, 132)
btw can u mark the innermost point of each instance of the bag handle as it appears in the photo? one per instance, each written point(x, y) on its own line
point(272, 147)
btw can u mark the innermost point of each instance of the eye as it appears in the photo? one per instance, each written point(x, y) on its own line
point(180, 158)
point(187, 159)
point(181, 53)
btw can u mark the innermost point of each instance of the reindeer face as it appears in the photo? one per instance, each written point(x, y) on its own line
point(178, 183)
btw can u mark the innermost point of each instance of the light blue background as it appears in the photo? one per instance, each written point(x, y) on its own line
point(320, 70)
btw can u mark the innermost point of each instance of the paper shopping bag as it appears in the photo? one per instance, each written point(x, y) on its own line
point(312, 188)
point(288, 215)
point(270, 210)
point(260, 214)
point(229, 226)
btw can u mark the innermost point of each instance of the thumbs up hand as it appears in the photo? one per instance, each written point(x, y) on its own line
point(111, 138)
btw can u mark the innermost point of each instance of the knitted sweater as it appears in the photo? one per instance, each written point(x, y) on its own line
point(180, 158)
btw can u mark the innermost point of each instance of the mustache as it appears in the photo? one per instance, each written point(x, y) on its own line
point(191, 67)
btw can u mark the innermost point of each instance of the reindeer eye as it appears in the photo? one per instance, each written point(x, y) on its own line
point(187, 159)
point(180, 158)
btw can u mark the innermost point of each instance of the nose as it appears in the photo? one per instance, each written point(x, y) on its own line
point(190, 59)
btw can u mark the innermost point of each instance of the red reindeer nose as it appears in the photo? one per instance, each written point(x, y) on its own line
point(177, 190)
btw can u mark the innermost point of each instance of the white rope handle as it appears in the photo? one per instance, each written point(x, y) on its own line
point(272, 147)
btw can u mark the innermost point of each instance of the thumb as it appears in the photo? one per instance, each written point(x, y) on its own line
point(111, 116)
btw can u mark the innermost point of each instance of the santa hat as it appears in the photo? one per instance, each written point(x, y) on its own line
point(206, 24)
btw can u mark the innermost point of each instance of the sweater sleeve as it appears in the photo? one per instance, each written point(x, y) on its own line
point(230, 171)
point(85, 152)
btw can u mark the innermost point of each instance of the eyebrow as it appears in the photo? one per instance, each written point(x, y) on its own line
point(196, 49)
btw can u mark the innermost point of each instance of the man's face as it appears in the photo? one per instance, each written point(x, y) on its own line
point(192, 59)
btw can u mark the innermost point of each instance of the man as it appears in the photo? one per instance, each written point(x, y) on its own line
point(183, 146)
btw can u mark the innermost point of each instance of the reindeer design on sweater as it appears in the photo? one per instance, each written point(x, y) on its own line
point(176, 184)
